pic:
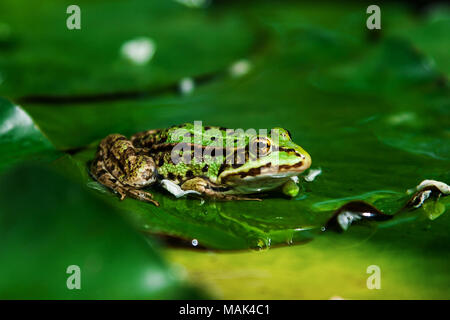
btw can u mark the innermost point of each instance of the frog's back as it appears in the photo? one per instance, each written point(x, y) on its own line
point(160, 143)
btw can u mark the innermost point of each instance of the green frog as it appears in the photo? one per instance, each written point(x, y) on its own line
point(205, 161)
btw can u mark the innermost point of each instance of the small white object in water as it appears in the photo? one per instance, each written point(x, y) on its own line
point(443, 187)
point(155, 280)
point(295, 179)
point(240, 68)
point(402, 118)
point(175, 189)
point(312, 174)
point(423, 196)
point(193, 3)
point(187, 85)
point(139, 51)
point(346, 218)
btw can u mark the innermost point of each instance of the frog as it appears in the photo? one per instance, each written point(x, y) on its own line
point(209, 162)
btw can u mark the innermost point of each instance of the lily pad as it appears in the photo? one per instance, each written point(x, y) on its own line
point(49, 224)
point(20, 138)
point(49, 59)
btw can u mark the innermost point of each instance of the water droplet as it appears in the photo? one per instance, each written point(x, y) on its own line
point(187, 86)
point(155, 279)
point(355, 211)
point(139, 51)
point(240, 68)
point(402, 118)
point(433, 209)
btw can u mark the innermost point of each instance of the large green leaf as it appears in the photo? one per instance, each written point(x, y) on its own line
point(412, 257)
point(44, 57)
point(48, 223)
point(20, 138)
point(359, 163)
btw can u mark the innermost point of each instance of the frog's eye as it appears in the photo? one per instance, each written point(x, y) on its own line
point(261, 146)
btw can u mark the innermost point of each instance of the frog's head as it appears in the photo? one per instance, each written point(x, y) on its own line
point(270, 161)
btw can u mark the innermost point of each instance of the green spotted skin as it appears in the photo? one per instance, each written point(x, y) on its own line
point(223, 143)
point(214, 162)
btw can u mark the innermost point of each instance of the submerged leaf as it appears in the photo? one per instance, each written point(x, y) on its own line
point(49, 223)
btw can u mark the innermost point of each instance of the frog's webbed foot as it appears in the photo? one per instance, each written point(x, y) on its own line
point(119, 167)
point(141, 195)
point(102, 175)
point(205, 188)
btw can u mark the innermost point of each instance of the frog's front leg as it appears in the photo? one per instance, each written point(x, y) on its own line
point(207, 189)
point(120, 167)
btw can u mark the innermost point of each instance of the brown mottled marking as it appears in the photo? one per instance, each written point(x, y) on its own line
point(251, 172)
point(287, 167)
point(171, 176)
point(290, 150)
point(206, 188)
point(115, 167)
point(145, 138)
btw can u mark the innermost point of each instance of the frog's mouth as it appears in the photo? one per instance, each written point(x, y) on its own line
point(253, 184)
point(266, 177)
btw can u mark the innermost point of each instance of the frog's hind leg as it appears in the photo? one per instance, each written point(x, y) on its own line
point(144, 139)
point(118, 167)
point(206, 189)
point(102, 175)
